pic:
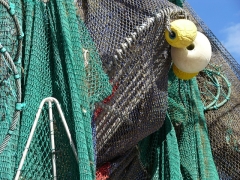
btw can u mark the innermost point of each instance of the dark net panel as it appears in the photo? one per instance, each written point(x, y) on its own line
point(138, 72)
point(110, 22)
point(223, 122)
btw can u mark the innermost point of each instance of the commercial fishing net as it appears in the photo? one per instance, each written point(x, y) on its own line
point(135, 56)
point(108, 68)
point(10, 85)
point(59, 60)
point(194, 159)
point(223, 116)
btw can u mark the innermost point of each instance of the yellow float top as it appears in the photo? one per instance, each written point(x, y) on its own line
point(183, 34)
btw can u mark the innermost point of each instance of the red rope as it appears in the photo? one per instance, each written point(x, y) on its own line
point(105, 101)
point(103, 172)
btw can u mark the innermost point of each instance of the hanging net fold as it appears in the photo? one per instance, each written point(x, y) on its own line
point(223, 119)
point(11, 38)
point(137, 70)
point(181, 148)
point(55, 65)
point(109, 66)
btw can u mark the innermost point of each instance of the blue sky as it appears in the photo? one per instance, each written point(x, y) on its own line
point(223, 18)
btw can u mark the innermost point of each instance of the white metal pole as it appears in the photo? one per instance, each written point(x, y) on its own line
point(49, 100)
point(29, 141)
point(52, 140)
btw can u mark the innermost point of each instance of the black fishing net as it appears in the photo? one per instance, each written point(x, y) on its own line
point(129, 36)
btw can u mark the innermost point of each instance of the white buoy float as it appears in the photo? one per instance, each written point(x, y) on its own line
point(189, 61)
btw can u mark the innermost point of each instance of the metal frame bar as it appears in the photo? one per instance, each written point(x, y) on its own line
point(48, 100)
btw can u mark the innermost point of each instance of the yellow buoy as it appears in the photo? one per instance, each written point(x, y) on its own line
point(183, 33)
point(192, 59)
point(183, 75)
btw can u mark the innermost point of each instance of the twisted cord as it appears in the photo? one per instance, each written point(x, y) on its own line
point(214, 104)
point(16, 74)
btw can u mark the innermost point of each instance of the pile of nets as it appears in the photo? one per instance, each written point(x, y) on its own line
point(59, 59)
point(224, 115)
point(11, 38)
point(109, 66)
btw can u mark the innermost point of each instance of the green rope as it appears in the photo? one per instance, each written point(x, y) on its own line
point(214, 75)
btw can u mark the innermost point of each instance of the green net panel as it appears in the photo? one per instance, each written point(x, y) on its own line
point(10, 85)
point(178, 2)
point(109, 66)
point(181, 148)
point(50, 152)
point(38, 162)
point(59, 60)
point(56, 66)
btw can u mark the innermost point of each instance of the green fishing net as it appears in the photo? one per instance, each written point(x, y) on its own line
point(59, 60)
point(181, 148)
point(109, 67)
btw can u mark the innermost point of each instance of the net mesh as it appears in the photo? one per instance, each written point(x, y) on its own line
point(135, 56)
point(166, 154)
point(77, 81)
point(41, 149)
point(112, 37)
point(181, 148)
point(10, 90)
point(222, 121)
point(38, 162)
point(59, 60)
point(134, 122)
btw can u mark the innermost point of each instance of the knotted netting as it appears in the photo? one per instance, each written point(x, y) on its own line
point(137, 121)
point(70, 71)
point(223, 116)
point(181, 149)
point(187, 136)
point(10, 85)
point(59, 60)
point(135, 56)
